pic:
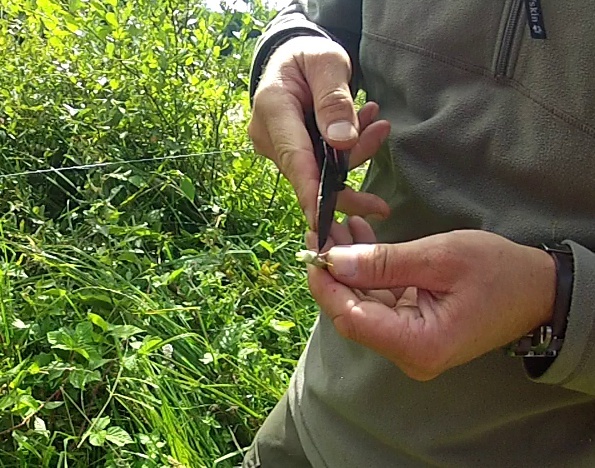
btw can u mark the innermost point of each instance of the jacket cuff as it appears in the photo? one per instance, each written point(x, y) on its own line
point(574, 367)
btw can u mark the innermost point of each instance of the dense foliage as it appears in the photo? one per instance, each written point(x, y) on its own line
point(151, 311)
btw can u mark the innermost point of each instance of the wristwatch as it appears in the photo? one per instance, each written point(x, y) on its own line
point(547, 340)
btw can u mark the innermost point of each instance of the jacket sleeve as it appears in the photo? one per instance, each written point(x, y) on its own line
point(574, 367)
point(339, 20)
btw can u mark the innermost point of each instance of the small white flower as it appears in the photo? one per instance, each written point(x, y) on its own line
point(168, 350)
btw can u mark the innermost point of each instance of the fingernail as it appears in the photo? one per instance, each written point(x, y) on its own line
point(344, 259)
point(341, 130)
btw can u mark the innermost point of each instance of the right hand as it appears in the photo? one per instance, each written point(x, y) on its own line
point(295, 80)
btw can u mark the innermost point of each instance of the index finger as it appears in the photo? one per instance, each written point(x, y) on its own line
point(295, 157)
point(367, 322)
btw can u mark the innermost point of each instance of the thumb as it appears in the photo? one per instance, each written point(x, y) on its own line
point(387, 266)
point(328, 73)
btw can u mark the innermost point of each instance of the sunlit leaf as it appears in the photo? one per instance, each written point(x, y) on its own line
point(282, 326)
point(265, 245)
point(188, 188)
point(109, 49)
point(112, 19)
point(101, 423)
point(98, 320)
point(97, 438)
point(117, 435)
point(150, 344)
point(39, 424)
point(124, 332)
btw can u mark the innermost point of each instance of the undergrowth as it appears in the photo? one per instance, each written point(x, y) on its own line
point(151, 310)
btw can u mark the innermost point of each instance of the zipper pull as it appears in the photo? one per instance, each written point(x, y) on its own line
point(535, 19)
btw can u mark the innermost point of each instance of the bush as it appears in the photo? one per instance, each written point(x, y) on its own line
point(151, 311)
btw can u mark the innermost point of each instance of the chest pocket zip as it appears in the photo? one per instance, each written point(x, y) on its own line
point(510, 31)
point(534, 17)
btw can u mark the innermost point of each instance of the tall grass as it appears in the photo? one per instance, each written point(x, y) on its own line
point(150, 313)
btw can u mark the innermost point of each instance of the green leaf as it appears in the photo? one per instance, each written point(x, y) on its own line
point(97, 299)
point(96, 361)
point(82, 351)
point(65, 339)
point(171, 277)
point(117, 435)
point(188, 188)
point(39, 424)
point(56, 369)
point(110, 48)
point(73, 28)
point(47, 6)
point(111, 19)
point(136, 180)
point(84, 332)
point(124, 332)
point(150, 344)
point(282, 326)
point(98, 320)
point(97, 438)
point(50, 405)
point(81, 377)
point(101, 423)
point(265, 245)
point(130, 362)
point(56, 337)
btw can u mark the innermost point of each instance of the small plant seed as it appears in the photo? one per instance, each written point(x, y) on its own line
point(313, 258)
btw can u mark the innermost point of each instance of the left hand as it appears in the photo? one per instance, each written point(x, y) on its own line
point(437, 302)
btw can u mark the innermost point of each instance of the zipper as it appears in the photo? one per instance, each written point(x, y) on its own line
point(510, 31)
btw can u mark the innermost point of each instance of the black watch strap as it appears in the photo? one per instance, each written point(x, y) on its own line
point(547, 340)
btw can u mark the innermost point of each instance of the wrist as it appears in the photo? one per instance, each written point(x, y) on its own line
point(546, 340)
point(548, 267)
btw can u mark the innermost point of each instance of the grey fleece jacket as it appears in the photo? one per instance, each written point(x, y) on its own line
point(495, 130)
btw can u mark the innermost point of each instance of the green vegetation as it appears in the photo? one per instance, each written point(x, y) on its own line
point(151, 309)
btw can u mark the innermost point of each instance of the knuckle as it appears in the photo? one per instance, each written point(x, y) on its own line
point(286, 163)
point(334, 102)
point(380, 264)
point(334, 55)
point(344, 326)
point(290, 74)
point(263, 98)
point(254, 131)
point(259, 138)
point(443, 255)
point(260, 95)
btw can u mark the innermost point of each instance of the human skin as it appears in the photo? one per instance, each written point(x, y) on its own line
point(435, 303)
point(427, 305)
point(293, 82)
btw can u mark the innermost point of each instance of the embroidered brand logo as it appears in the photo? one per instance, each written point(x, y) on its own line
point(535, 19)
point(534, 11)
